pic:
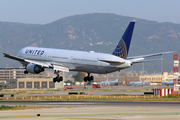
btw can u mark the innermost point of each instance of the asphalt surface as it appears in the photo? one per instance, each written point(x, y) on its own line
point(92, 103)
point(87, 110)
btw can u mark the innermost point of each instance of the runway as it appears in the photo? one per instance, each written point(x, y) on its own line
point(75, 110)
point(93, 103)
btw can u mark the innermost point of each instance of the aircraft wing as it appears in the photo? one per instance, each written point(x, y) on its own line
point(54, 65)
point(139, 59)
point(41, 63)
point(13, 57)
point(45, 64)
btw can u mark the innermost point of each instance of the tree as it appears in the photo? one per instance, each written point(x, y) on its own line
point(79, 77)
point(68, 81)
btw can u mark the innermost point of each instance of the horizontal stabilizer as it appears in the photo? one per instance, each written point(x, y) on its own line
point(112, 61)
point(140, 61)
point(149, 55)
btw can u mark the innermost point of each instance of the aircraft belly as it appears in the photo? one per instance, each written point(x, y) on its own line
point(92, 69)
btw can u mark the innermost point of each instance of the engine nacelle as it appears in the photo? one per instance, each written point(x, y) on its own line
point(34, 69)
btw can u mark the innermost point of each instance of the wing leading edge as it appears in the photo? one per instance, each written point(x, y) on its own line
point(44, 64)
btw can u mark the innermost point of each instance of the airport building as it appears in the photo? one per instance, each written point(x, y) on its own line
point(130, 77)
point(154, 78)
point(37, 83)
point(15, 78)
point(122, 77)
point(18, 73)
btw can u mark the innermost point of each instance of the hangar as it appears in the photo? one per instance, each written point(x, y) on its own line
point(33, 83)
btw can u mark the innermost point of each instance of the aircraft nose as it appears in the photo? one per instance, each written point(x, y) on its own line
point(20, 53)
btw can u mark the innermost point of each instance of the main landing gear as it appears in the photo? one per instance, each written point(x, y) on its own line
point(25, 72)
point(88, 78)
point(57, 78)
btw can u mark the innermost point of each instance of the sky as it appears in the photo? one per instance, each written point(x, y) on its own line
point(46, 11)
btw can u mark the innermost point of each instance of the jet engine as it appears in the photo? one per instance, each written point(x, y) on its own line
point(34, 69)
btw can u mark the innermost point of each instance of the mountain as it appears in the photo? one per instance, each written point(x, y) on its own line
point(99, 32)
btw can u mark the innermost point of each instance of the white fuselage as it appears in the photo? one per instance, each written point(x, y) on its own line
point(108, 82)
point(75, 60)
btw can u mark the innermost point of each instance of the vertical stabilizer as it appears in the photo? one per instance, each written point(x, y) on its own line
point(122, 48)
point(143, 80)
point(116, 79)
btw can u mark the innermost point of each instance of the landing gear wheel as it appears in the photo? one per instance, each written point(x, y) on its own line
point(92, 78)
point(54, 80)
point(25, 72)
point(85, 79)
point(61, 78)
point(58, 78)
point(88, 78)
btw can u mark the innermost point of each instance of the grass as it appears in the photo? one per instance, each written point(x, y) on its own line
point(4, 107)
point(19, 92)
point(95, 98)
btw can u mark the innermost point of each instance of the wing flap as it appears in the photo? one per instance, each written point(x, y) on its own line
point(43, 64)
point(60, 68)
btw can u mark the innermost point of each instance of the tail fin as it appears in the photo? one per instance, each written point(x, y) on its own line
point(116, 79)
point(123, 45)
point(143, 80)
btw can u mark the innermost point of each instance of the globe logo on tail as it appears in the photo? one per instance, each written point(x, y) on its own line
point(121, 50)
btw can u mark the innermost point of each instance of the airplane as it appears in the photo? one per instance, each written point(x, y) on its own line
point(137, 83)
point(171, 82)
point(105, 83)
point(36, 59)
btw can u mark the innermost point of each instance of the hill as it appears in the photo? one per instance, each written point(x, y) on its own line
point(99, 32)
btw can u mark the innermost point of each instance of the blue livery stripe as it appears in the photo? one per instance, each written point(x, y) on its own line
point(122, 48)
